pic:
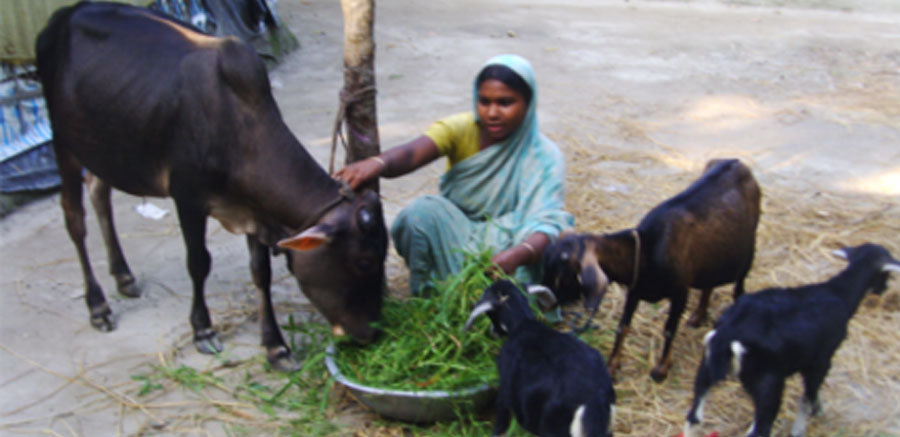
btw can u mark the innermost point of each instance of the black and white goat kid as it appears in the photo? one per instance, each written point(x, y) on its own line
point(554, 383)
point(769, 335)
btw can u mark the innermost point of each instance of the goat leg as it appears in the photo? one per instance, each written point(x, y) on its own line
point(615, 356)
point(661, 371)
point(700, 313)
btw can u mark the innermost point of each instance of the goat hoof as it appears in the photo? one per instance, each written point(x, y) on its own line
point(658, 375)
point(281, 360)
point(207, 342)
point(695, 322)
point(128, 286)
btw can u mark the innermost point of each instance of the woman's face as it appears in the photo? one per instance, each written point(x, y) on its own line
point(501, 110)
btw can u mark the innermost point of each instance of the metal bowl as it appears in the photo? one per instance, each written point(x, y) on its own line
point(421, 406)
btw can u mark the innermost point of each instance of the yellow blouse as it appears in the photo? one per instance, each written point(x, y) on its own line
point(456, 137)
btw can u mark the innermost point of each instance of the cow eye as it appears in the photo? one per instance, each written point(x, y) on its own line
point(365, 264)
point(366, 219)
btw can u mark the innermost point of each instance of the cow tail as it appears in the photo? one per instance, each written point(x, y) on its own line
point(53, 38)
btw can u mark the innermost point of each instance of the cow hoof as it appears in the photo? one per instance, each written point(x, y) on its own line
point(207, 342)
point(128, 286)
point(103, 322)
point(102, 318)
point(281, 360)
point(658, 375)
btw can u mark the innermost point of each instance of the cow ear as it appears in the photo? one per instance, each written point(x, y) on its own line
point(309, 239)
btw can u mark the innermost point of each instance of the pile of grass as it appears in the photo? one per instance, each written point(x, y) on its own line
point(423, 346)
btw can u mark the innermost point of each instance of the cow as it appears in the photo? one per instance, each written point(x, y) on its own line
point(153, 107)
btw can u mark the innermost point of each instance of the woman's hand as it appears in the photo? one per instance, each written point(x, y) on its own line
point(526, 252)
point(359, 173)
point(510, 259)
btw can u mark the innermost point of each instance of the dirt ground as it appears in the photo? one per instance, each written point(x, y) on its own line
point(808, 95)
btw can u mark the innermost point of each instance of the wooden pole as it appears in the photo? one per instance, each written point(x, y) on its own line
point(358, 94)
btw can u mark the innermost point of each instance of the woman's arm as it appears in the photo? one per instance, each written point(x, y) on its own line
point(527, 252)
point(394, 162)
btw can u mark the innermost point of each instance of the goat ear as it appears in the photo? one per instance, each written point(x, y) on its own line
point(891, 267)
point(593, 282)
point(309, 239)
point(840, 253)
point(545, 296)
point(479, 309)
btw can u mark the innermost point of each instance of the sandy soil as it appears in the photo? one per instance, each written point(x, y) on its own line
point(808, 94)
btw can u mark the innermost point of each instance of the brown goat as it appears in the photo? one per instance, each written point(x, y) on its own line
point(703, 237)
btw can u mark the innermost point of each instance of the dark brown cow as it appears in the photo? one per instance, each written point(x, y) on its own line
point(154, 108)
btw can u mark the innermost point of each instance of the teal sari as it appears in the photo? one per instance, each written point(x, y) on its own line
point(492, 200)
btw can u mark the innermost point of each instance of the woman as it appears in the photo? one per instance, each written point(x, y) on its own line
point(503, 189)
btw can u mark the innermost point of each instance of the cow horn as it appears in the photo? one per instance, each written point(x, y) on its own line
point(840, 253)
point(479, 310)
point(345, 190)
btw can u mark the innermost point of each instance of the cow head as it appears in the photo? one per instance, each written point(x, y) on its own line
point(572, 271)
point(339, 263)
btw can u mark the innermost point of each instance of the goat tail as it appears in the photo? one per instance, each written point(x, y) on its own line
point(593, 418)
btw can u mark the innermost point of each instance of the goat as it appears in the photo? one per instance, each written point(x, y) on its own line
point(769, 335)
point(554, 383)
point(703, 237)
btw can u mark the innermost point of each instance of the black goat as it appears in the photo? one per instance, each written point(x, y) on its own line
point(767, 336)
point(703, 237)
point(554, 383)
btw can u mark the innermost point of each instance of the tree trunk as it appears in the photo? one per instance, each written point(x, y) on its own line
point(358, 95)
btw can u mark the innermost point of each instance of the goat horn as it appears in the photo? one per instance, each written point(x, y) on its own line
point(479, 310)
point(891, 267)
point(544, 294)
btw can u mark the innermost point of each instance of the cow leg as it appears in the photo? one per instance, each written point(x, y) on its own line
point(277, 351)
point(100, 197)
point(193, 230)
point(631, 303)
point(73, 210)
point(679, 300)
point(699, 314)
